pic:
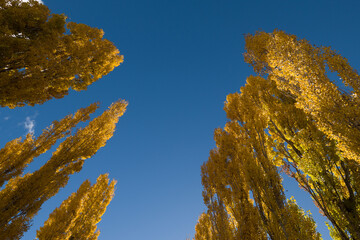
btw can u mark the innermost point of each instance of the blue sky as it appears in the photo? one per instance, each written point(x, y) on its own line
point(181, 60)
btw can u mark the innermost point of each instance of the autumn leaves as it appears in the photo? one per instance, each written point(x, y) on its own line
point(41, 58)
point(291, 116)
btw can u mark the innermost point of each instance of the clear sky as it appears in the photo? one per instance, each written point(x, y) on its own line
point(182, 57)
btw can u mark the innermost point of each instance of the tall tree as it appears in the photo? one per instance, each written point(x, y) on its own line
point(17, 154)
point(298, 119)
point(319, 147)
point(242, 186)
point(308, 155)
point(42, 56)
point(302, 70)
point(78, 215)
point(22, 196)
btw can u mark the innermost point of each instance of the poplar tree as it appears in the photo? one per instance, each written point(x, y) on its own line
point(302, 70)
point(293, 118)
point(242, 186)
point(18, 153)
point(77, 216)
point(306, 154)
point(43, 56)
point(321, 151)
point(23, 195)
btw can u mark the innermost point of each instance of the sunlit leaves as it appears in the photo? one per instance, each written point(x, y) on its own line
point(17, 154)
point(77, 216)
point(312, 122)
point(301, 69)
point(42, 56)
point(23, 195)
point(293, 118)
point(242, 187)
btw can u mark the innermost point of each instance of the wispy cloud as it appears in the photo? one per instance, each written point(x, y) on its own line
point(6, 118)
point(29, 125)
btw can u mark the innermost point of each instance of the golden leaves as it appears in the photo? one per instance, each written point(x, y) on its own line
point(300, 69)
point(40, 61)
point(78, 215)
point(311, 123)
point(242, 187)
point(23, 196)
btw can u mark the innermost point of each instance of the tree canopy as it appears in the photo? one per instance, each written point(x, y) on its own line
point(293, 118)
point(23, 195)
point(42, 56)
point(77, 216)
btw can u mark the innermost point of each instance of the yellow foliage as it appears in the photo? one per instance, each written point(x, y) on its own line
point(300, 69)
point(312, 122)
point(77, 216)
point(17, 154)
point(23, 196)
point(42, 56)
point(242, 186)
point(291, 118)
